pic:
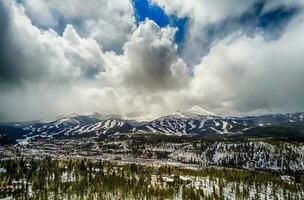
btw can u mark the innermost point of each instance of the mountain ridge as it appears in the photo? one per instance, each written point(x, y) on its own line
point(198, 125)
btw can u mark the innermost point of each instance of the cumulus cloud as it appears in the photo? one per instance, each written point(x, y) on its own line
point(32, 58)
point(211, 21)
point(247, 73)
point(31, 54)
point(110, 23)
point(205, 11)
point(151, 61)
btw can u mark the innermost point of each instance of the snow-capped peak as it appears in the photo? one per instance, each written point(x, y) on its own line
point(262, 111)
point(197, 111)
point(193, 112)
point(67, 121)
point(178, 114)
point(106, 116)
point(60, 117)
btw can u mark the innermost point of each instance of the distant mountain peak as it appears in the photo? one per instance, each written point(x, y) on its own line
point(106, 116)
point(177, 114)
point(193, 112)
point(197, 110)
point(263, 111)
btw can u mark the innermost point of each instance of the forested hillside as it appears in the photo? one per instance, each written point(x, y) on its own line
point(91, 179)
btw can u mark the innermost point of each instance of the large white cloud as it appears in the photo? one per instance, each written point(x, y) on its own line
point(150, 62)
point(204, 11)
point(248, 73)
point(33, 54)
point(204, 15)
point(110, 23)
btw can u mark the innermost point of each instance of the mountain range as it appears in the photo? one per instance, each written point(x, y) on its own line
point(193, 122)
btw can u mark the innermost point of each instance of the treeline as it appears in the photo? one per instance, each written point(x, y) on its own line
point(257, 155)
point(91, 179)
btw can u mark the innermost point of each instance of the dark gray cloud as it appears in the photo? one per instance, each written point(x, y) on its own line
point(13, 56)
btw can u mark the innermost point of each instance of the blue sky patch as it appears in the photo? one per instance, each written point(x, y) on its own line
point(144, 9)
point(271, 24)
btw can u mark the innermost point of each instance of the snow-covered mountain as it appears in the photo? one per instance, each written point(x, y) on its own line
point(195, 122)
point(197, 111)
point(194, 112)
point(211, 124)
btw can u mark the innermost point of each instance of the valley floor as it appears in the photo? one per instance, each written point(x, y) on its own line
point(153, 167)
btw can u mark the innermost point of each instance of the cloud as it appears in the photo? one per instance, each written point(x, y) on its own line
point(211, 21)
point(55, 74)
point(208, 12)
point(247, 73)
point(33, 55)
point(152, 61)
point(205, 11)
point(45, 73)
point(35, 61)
point(110, 23)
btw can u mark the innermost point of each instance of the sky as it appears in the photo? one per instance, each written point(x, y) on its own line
point(147, 58)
